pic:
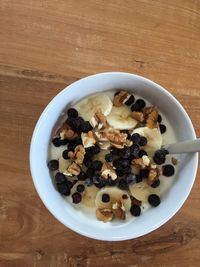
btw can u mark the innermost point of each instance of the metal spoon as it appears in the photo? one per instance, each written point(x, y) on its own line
point(188, 146)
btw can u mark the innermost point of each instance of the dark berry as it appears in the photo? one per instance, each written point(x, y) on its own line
point(86, 127)
point(72, 145)
point(90, 172)
point(72, 113)
point(87, 162)
point(131, 179)
point(130, 101)
point(82, 176)
point(138, 178)
point(60, 178)
point(163, 128)
point(105, 198)
point(88, 154)
point(116, 93)
point(154, 200)
point(125, 152)
point(134, 150)
point(96, 178)
point(109, 157)
point(65, 154)
point(53, 165)
point(124, 196)
point(127, 170)
point(70, 184)
point(97, 165)
point(88, 182)
point(155, 184)
point(114, 151)
point(144, 173)
point(116, 163)
point(161, 153)
point(168, 170)
point(135, 210)
point(95, 149)
point(80, 188)
point(159, 118)
point(141, 103)
point(64, 142)
point(119, 173)
point(124, 163)
point(111, 182)
point(127, 132)
point(159, 161)
point(135, 107)
point(101, 184)
point(56, 142)
point(76, 198)
point(63, 189)
point(123, 184)
point(135, 138)
point(143, 141)
point(142, 153)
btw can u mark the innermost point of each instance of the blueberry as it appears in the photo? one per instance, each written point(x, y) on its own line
point(124, 196)
point(111, 182)
point(144, 173)
point(155, 184)
point(127, 132)
point(130, 101)
point(138, 178)
point(56, 142)
point(88, 182)
point(63, 189)
point(60, 178)
point(87, 162)
point(143, 141)
point(114, 151)
point(82, 176)
point(86, 127)
point(95, 149)
point(135, 210)
point(119, 173)
point(116, 163)
point(65, 154)
point(142, 153)
point(90, 172)
point(53, 165)
point(88, 154)
point(135, 107)
point(72, 113)
point(101, 184)
point(70, 184)
point(105, 198)
point(168, 170)
point(134, 150)
point(80, 188)
point(163, 128)
point(96, 178)
point(124, 163)
point(135, 138)
point(97, 165)
point(64, 142)
point(131, 179)
point(159, 161)
point(109, 157)
point(125, 152)
point(159, 118)
point(161, 153)
point(154, 200)
point(141, 103)
point(123, 184)
point(76, 198)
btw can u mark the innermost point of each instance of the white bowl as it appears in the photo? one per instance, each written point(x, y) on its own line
point(60, 208)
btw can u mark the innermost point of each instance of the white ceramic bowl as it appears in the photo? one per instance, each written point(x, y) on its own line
point(60, 208)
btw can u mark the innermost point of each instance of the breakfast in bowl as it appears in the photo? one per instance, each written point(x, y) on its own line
point(107, 157)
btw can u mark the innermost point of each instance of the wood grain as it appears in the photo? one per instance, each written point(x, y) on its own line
point(46, 45)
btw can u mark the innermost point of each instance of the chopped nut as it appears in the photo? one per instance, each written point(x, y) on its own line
point(116, 138)
point(174, 161)
point(77, 155)
point(138, 116)
point(73, 169)
point(88, 139)
point(153, 175)
point(104, 145)
point(119, 210)
point(148, 110)
point(120, 98)
point(101, 136)
point(104, 215)
point(141, 162)
point(135, 201)
point(101, 119)
point(152, 118)
point(107, 171)
point(65, 132)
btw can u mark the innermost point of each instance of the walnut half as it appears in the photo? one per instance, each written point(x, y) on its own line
point(119, 210)
point(104, 215)
point(65, 132)
point(120, 98)
point(153, 175)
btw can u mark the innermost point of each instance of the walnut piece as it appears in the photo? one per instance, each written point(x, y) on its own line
point(138, 116)
point(116, 138)
point(88, 139)
point(174, 161)
point(119, 210)
point(104, 215)
point(141, 163)
point(77, 155)
point(101, 119)
point(153, 175)
point(66, 132)
point(152, 118)
point(73, 169)
point(120, 98)
point(107, 171)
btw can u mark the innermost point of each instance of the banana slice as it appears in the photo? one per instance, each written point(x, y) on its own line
point(63, 164)
point(89, 106)
point(120, 118)
point(115, 195)
point(142, 190)
point(154, 138)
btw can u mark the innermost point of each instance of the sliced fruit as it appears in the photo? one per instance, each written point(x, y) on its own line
point(154, 139)
point(89, 196)
point(120, 118)
point(115, 194)
point(142, 190)
point(89, 106)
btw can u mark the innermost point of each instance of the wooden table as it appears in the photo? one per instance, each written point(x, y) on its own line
point(46, 45)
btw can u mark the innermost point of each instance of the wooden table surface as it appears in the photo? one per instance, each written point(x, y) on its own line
point(46, 45)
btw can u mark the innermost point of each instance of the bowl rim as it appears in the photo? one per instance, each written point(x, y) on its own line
point(31, 157)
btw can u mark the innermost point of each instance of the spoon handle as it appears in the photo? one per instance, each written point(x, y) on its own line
point(184, 147)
